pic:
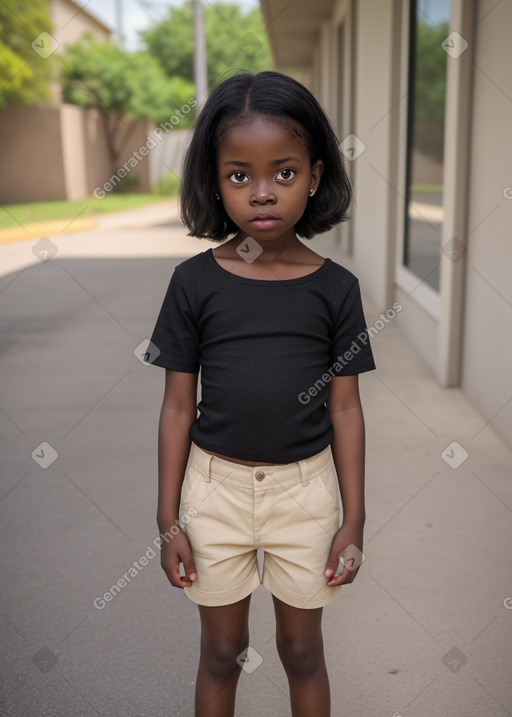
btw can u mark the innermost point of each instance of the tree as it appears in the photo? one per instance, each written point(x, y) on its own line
point(26, 74)
point(233, 41)
point(124, 87)
point(430, 89)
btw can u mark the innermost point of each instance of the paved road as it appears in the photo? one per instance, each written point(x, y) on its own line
point(424, 630)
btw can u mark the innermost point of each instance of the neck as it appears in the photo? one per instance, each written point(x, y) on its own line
point(274, 250)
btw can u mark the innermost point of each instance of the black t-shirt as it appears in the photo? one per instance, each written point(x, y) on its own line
point(267, 350)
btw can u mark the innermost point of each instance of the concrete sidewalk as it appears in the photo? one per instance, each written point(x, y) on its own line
point(424, 630)
point(120, 234)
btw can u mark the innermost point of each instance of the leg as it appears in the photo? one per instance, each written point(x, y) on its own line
point(300, 646)
point(224, 635)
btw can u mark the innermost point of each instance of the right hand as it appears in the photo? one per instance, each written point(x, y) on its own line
point(172, 553)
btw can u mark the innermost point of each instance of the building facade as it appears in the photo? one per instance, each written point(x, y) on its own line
point(421, 96)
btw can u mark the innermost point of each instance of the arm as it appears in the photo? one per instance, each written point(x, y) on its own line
point(176, 416)
point(348, 448)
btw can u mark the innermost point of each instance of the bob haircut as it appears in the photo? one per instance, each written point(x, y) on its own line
point(276, 97)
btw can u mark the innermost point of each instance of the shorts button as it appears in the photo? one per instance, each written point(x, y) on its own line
point(259, 475)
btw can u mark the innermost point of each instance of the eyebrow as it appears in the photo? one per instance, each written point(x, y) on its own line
point(282, 160)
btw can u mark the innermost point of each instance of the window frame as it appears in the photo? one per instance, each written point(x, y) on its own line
point(426, 296)
point(447, 305)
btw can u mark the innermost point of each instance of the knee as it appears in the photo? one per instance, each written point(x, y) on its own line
point(303, 658)
point(221, 658)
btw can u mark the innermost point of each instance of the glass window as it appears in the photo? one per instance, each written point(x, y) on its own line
point(429, 26)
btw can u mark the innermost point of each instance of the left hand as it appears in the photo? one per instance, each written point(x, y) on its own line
point(348, 540)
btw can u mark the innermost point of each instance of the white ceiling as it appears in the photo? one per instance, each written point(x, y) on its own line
point(293, 27)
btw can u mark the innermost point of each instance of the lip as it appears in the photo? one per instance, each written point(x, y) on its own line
point(262, 217)
point(264, 221)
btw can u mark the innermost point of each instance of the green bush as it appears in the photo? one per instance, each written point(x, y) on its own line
point(168, 184)
point(127, 184)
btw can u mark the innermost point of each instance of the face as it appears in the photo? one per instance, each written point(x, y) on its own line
point(264, 176)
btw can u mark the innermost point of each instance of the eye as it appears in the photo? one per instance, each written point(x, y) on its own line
point(239, 177)
point(286, 174)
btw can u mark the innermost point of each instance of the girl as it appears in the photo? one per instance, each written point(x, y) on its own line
point(278, 332)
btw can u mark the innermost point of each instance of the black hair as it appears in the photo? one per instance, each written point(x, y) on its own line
point(275, 96)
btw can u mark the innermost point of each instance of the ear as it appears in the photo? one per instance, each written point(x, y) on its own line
point(316, 173)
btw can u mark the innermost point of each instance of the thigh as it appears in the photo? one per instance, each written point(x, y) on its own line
point(294, 624)
point(225, 625)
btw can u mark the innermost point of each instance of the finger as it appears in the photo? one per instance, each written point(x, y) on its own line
point(338, 579)
point(173, 574)
point(332, 566)
point(344, 578)
point(189, 568)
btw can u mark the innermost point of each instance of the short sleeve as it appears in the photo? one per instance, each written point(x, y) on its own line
point(175, 334)
point(351, 352)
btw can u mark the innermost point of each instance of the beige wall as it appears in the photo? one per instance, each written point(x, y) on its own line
point(487, 342)
point(97, 157)
point(74, 151)
point(373, 127)
point(371, 221)
point(32, 155)
point(51, 153)
point(70, 20)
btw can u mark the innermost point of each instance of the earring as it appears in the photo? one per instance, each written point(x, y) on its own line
point(217, 195)
point(311, 192)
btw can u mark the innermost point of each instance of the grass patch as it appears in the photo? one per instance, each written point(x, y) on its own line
point(12, 215)
point(427, 188)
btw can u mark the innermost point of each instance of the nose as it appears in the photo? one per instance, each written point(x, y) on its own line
point(263, 194)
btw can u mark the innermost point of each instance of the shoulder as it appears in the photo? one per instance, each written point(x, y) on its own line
point(340, 277)
point(341, 288)
point(192, 269)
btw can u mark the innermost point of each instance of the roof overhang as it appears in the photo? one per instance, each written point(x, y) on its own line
point(293, 27)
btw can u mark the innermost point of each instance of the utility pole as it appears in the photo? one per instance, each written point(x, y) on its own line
point(200, 75)
point(119, 21)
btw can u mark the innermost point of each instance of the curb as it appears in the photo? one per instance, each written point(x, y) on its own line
point(40, 229)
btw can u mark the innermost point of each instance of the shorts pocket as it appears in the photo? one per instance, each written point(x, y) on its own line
point(326, 484)
point(192, 479)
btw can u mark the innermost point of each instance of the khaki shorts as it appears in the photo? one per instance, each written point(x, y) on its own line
point(291, 512)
